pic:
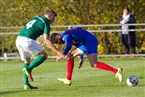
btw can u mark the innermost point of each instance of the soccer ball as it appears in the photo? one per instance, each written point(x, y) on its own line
point(132, 81)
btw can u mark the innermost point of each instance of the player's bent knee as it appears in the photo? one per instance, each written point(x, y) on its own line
point(43, 53)
point(26, 60)
point(70, 56)
point(46, 56)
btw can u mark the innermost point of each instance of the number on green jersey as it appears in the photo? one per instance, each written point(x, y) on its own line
point(30, 24)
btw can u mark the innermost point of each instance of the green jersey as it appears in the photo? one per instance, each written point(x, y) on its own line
point(36, 27)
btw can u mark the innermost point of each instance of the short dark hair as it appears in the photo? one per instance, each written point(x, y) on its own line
point(54, 12)
point(127, 8)
point(52, 37)
point(50, 11)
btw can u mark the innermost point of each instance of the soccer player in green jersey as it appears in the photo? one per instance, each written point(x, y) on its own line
point(27, 45)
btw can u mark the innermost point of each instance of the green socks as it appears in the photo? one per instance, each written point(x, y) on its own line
point(36, 62)
point(24, 75)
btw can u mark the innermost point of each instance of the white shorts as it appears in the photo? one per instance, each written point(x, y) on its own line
point(27, 47)
point(80, 51)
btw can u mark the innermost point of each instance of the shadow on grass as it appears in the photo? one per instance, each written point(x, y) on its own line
point(141, 77)
point(10, 92)
point(16, 91)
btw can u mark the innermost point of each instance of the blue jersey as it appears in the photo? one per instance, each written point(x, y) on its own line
point(77, 36)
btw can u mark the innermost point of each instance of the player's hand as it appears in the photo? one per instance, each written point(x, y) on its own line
point(80, 63)
point(60, 57)
point(59, 53)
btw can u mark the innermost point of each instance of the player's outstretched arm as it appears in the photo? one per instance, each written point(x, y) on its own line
point(49, 44)
point(59, 58)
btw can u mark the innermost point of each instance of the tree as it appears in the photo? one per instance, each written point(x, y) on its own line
point(74, 12)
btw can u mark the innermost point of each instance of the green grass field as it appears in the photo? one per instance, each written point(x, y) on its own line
point(87, 81)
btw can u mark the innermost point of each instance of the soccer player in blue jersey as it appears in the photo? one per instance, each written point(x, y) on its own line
point(86, 43)
point(27, 45)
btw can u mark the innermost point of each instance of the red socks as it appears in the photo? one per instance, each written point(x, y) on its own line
point(70, 66)
point(100, 65)
point(104, 66)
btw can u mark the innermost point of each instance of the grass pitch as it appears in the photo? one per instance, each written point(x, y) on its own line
point(86, 82)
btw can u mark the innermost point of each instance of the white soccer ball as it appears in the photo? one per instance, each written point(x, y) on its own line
point(132, 81)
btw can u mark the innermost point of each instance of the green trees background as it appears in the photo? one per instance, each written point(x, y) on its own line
point(73, 12)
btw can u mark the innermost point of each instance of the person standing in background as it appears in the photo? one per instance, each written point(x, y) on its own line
point(128, 38)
